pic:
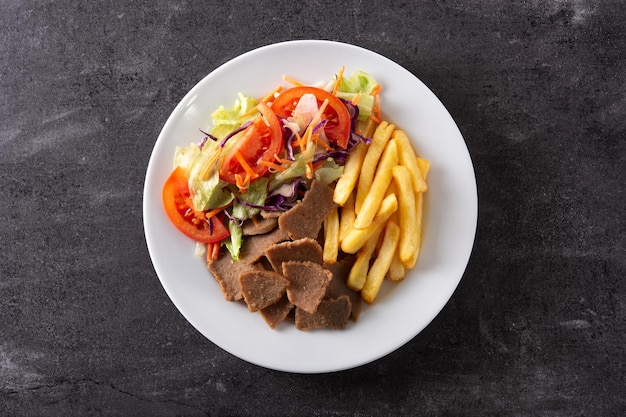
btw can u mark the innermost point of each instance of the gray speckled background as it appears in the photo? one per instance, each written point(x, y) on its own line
point(537, 324)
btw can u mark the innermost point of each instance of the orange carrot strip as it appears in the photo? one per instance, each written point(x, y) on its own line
point(356, 98)
point(338, 80)
point(209, 252)
point(376, 117)
point(213, 251)
point(210, 164)
point(213, 212)
point(309, 173)
point(272, 165)
point(292, 81)
point(216, 250)
point(282, 161)
point(316, 139)
point(316, 119)
point(270, 96)
point(249, 112)
point(250, 174)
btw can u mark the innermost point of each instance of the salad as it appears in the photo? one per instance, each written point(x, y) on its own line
point(262, 154)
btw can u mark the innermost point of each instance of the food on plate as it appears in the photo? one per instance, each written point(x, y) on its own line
point(303, 201)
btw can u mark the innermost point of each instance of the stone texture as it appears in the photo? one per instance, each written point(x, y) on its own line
point(536, 326)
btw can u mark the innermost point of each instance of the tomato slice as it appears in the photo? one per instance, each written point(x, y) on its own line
point(177, 203)
point(337, 128)
point(260, 141)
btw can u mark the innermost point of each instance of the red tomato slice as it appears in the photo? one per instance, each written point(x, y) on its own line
point(260, 141)
point(176, 200)
point(337, 128)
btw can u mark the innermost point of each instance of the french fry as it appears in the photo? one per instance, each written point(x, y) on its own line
point(331, 237)
point(351, 170)
point(382, 134)
point(382, 179)
point(380, 267)
point(408, 158)
point(347, 217)
point(358, 272)
point(356, 238)
point(406, 214)
point(424, 166)
point(396, 270)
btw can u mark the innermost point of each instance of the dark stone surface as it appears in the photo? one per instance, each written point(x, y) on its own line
point(537, 324)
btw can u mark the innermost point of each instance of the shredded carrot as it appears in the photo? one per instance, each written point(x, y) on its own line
point(249, 112)
point(272, 165)
point(282, 161)
point(241, 183)
point(216, 250)
point(250, 174)
point(338, 80)
point(255, 221)
point(309, 172)
point(209, 252)
point(270, 96)
point(213, 212)
point(316, 139)
point(207, 167)
point(212, 251)
point(309, 130)
point(376, 117)
point(305, 138)
point(292, 81)
point(355, 100)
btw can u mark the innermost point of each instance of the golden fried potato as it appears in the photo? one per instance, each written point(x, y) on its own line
point(381, 265)
point(356, 238)
point(382, 134)
point(376, 193)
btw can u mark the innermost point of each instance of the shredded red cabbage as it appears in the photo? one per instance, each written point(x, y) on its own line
point(288, 136)
point(278, 201)
point(235, 220)
point(339, 156)
point(234, 132)
point(206, 137)
point(320, 125)
point(211, 226)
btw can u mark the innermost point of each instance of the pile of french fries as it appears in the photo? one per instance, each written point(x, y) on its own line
point(379, 218)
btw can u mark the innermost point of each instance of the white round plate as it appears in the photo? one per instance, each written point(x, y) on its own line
point(401, 310)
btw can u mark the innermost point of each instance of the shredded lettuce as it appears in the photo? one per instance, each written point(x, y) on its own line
point(227, 120)
point(328, 172)
point(359, 84)
point(298, 168)
point(206, 189)
point(185, 157)
point(236, 240)
point(209, 194)
point(255, 195)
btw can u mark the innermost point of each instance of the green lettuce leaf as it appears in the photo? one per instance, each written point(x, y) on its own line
point(256, 194)
point(227, 120)
point(329, 172)
point(362, 84)
point(236, 240)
